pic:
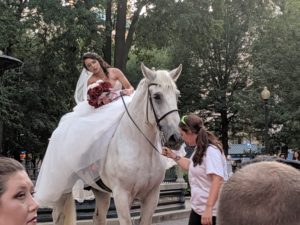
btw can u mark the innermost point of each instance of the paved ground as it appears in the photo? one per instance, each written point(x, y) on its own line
point(179, 217)
point(163, 220)
point(174, 222)
point(176, 217)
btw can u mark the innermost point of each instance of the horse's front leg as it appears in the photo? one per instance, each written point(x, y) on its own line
point(102, 206)
point(148, 206)
point(123, 202)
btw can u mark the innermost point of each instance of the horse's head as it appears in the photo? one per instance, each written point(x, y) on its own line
point(162, 96)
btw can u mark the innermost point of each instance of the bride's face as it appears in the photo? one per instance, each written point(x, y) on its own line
point(92, 65)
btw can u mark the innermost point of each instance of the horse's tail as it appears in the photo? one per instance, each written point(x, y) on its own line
point(70, 210)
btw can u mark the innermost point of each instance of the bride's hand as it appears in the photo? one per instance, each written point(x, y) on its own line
point(128, 91)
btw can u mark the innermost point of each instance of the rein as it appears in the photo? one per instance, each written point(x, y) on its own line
point(156, 119)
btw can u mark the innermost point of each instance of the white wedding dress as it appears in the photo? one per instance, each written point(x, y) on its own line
point(77, 148)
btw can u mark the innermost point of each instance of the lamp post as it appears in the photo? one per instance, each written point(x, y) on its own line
point(265, 95)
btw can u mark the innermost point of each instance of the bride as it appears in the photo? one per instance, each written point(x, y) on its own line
point(80, 141)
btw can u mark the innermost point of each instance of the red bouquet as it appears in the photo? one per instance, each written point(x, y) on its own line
point(99, 93)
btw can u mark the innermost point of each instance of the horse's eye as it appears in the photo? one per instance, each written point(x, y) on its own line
point(157, 96)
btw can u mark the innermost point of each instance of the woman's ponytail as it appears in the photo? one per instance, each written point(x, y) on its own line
point(202, 144)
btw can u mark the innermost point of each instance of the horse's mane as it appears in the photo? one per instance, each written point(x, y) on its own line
point(162, 78)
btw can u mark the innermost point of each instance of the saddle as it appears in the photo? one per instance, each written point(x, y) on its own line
point(100, 184)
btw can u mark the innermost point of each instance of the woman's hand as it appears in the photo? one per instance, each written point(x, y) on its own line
point(206, 218)
point(168, 153)
point(183, 162)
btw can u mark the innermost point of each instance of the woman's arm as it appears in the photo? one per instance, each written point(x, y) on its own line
point(217, 182)
point(118, 75)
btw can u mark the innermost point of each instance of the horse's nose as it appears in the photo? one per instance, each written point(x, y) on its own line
point(175, 137)
point(175, 141)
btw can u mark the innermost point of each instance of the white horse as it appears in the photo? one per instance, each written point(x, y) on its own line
point(134, 167)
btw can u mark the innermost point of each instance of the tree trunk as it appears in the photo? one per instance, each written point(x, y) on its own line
point(123, 41)
point(108, 30)
point(224, 130)
point(120, 35)
point(1, 137)
point(131, 31)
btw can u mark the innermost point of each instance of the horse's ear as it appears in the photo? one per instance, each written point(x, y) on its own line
point(175, 73)
point(149, 74)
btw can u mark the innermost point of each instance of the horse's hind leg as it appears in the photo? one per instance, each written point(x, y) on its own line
point(148, 206)
point(102, 206)
point(64, 212)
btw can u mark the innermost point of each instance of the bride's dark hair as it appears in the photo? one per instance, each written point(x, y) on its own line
point(91, 55)
point(194, 124)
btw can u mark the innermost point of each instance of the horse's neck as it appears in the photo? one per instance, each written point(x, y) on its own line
point(138, 113)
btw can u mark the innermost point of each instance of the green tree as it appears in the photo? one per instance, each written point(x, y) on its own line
point(275, 60)
point(10, 111)
point(51, 42)
point(213, 41)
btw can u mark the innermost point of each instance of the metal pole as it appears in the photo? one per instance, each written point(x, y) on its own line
point(266, 128)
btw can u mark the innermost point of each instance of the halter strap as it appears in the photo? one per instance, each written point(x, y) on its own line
point(162, 136)
point(157, 120)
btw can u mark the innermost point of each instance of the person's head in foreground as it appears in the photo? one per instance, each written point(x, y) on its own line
point(263, 193)
point(17, 206)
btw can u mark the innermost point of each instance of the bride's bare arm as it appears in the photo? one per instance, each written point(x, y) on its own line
point(118, 75)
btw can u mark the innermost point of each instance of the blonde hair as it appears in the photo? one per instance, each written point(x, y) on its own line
point(8, 166)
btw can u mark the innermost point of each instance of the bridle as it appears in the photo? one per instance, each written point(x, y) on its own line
point(157, 120)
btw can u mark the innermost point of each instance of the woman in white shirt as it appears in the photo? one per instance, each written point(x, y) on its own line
point(207, 169)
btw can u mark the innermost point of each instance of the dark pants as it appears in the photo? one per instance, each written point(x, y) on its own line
point(195, 219)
